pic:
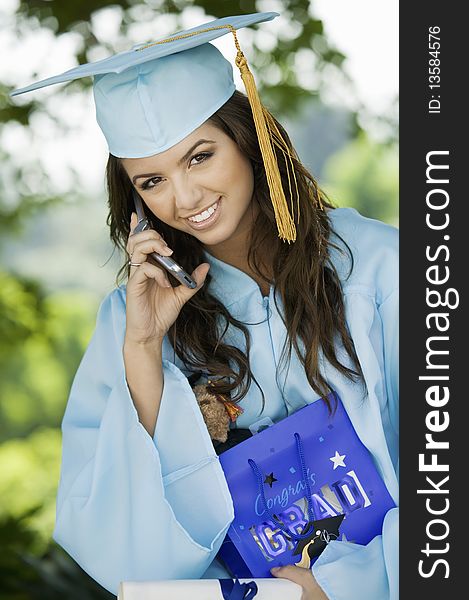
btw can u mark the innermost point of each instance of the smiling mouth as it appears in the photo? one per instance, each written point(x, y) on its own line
point(205, 222)
point(205, 214)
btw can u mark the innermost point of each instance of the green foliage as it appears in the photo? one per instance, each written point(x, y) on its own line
point(15, 112)
point(28, 478)
point(61, 16)
point(29, 574)
point(21, 312)
point(42, 341)
point(364, 175)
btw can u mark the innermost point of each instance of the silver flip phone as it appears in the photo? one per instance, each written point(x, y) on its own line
point(165, 261)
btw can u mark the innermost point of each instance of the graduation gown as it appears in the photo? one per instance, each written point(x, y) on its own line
point(135, 507)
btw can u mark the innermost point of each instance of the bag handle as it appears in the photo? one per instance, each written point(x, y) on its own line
point(304, 473)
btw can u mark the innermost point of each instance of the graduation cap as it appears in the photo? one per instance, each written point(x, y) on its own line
point(152, 96)
point(321, 533)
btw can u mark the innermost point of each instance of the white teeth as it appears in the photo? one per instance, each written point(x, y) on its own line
point(205, 214)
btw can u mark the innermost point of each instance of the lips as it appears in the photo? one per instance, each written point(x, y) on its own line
point(204, 214)
point(206, 222)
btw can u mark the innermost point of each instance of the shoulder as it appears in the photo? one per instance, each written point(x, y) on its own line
point(375, 250)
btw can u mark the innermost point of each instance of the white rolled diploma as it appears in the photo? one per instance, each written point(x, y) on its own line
point(204, 589)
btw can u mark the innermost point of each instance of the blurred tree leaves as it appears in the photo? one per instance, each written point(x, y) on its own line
point(14, 112)
point(30, 471)
point(42, 341)
point(21, 310)
point(34, 570)
point(61, 16)
point(364, 175)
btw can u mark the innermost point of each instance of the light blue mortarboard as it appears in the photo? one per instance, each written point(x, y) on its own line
point(151, 97)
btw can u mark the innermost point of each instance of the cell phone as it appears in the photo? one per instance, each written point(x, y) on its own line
point(165, 261)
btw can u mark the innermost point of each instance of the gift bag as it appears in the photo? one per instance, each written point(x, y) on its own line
point(296, 486)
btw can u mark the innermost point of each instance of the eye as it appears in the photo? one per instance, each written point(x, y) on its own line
point(150, 183)
point(201, 157)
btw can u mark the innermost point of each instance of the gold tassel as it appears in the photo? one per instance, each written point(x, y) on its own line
point(285, 224)
point(278, 140)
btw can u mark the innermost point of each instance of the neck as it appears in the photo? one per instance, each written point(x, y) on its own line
point(234, 252)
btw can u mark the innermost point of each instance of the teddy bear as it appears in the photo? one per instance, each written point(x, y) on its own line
point(216, 411)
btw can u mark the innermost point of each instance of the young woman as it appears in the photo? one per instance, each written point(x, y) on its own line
point(271, 326)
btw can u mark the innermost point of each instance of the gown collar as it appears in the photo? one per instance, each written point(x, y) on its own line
point(229, 284)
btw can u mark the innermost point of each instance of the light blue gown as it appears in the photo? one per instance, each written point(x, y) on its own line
point(130, 507)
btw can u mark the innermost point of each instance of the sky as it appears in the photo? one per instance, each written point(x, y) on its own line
point(367, 32)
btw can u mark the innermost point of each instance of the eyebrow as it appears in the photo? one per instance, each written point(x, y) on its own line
point(180, 161)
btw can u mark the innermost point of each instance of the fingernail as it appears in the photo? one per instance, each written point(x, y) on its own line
point(275, 569)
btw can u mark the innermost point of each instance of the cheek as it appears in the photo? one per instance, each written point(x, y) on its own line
point(160, 209)
point(240, 178)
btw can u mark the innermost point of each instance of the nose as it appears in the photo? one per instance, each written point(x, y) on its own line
point(188, 196)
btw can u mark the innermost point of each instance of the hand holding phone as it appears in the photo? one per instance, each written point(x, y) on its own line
point(165, 261)
point(152, 303)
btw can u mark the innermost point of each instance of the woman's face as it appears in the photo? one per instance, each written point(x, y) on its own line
point(203, 186)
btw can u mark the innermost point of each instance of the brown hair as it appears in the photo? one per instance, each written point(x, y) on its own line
point(305, 278)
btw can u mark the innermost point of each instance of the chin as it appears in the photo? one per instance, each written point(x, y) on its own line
point(215, 236)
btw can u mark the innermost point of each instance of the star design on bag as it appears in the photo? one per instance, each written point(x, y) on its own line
point(338, 460)
point(270, 479)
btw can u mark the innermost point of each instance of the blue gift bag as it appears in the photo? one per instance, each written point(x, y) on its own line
point(296, 486)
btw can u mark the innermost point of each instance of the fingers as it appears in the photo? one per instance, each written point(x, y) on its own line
point(293, 573)
point(135, 238)
point(149, 271)
point(133, 222)
point(143, 248)
point(303, 577)
point(142, 244)
point(198, 275)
